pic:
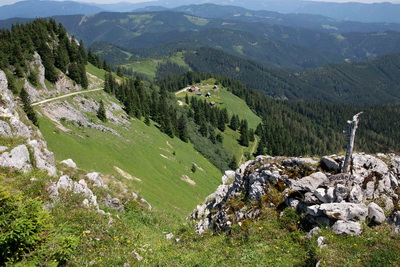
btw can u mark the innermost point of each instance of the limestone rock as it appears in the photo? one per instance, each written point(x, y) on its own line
point(344, 211)
point(18, 158)
point(341, 193)
point(330, 164)
point(228, 177)
point(356, 194)
point(311, 199)
point(315, 231)
point(375, 213)
point(37, 63)
point(7, 104)
point(114, 203)
point(308, 183)
point(320, 193)
point(341, 178)
point(314, 210)
point(19, 128)
point(96, 178)
point(395, 219)
point(330, 194)
point(5, 129)
point(33, 95)
point(3, 148)
point(369, 190)
point(366, 165)
point(396, 165)
point(44, 159)
point(65, 183)
point(70, 163)
point(65, 85)
point(52, 190)
point(321, 242)
point(346, 227)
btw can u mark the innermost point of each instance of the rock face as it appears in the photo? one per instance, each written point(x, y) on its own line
point(44, 159)
point(12, 125)
point(18, 159)
point(327, 199)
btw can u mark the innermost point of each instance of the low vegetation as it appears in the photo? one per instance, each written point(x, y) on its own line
point(69, 234)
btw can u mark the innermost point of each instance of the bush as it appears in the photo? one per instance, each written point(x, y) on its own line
point(23, 225)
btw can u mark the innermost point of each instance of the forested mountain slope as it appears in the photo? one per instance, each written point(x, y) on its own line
point(372, 82)
point(145, 33)
point(298, 19)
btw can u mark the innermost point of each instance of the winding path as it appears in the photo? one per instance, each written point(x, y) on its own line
point(63, 96)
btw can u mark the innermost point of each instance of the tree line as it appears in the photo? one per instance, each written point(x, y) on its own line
point(299, 128)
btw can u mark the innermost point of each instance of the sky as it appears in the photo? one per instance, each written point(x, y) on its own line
point(7, 2)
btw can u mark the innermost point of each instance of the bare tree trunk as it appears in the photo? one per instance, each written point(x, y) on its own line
point(350, 145)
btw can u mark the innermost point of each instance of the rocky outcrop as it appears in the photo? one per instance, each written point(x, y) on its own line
point(323, 198)
point(64, 111)
point(43, 158)
point(69, 163)
point(32, 92)
point(81, 187)
point(18, 158)
point(97, 180)
point(12, 125)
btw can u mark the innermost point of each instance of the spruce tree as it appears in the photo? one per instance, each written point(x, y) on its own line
point(27, 107)
point(182, 129)
point(219, 138)
point(101, 112)
point(233, 164)
point(251, 135)
point(244, 134)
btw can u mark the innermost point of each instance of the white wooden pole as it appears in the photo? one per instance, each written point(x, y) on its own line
point(350, 145)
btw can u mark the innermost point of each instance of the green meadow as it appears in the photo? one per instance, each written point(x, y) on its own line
point(162, 164)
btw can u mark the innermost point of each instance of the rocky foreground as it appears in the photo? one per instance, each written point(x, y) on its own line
point(325, 198)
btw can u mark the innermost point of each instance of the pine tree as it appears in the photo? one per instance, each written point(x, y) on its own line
point(244, 133)
point(219, 138)
point(261, 149)
point(83, 77)
point(251, 135)
point(212, 137)
point(182, 129)
point(233, 164)
point(147, 120)
point(28, 108)
point(101, 112)
point(119, 72)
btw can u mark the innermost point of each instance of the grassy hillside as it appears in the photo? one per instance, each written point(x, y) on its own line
point(148, 67)
point(162, 164)
point(235, 106)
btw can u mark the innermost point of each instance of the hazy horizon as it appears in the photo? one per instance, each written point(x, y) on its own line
point(8, 2)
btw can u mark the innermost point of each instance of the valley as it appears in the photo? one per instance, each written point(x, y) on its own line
point(197, 135)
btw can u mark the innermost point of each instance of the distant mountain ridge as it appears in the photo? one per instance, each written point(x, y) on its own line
point(33, 9)
point(366, 13)
point(152, 34)
point(377, 12)
point(301, 20)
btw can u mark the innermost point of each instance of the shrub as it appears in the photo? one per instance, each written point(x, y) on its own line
point(23, 225)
